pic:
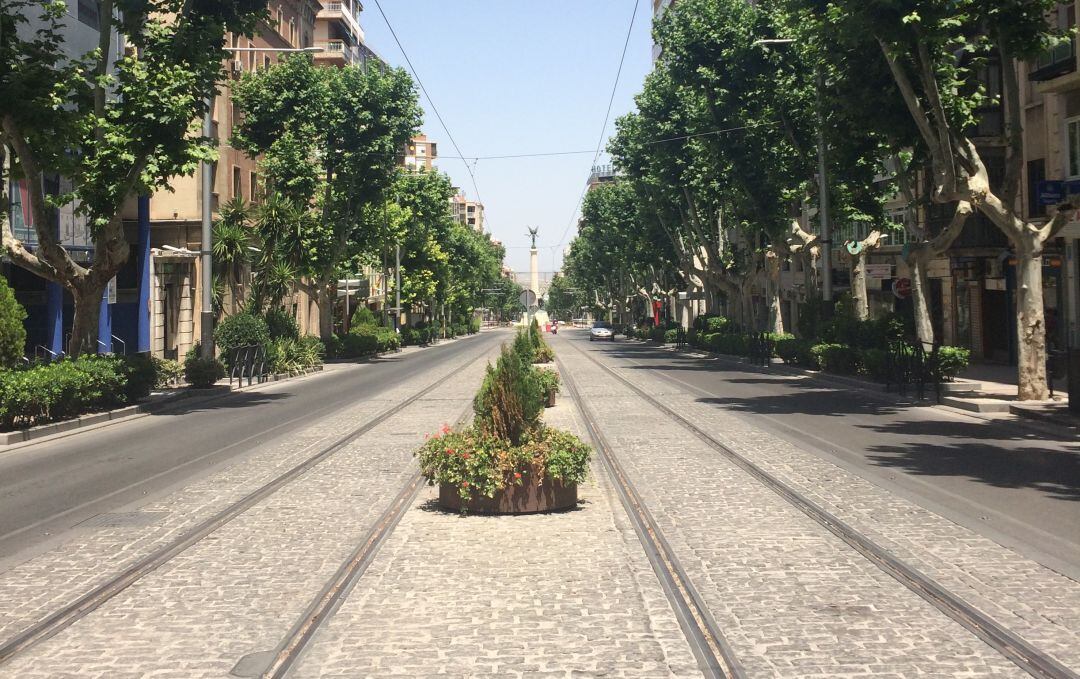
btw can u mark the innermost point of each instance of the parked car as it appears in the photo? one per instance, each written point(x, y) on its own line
point(601, 330)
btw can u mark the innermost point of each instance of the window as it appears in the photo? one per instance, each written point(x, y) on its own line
point(266, 62)
point(237, 183)
point(292, 32)
point(90, 13)
point(1036, 172)
point(255, 194)
point(1073, 137)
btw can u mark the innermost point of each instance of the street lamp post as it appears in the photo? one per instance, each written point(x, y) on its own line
point(823, 189)
point(206, 261)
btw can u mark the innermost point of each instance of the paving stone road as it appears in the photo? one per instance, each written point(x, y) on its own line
point(561, 595)
point(792, 599)
point(1039, 604)
point(239, 589)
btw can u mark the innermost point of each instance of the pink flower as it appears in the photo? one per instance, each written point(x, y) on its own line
point(517, 475)
point(445, 429)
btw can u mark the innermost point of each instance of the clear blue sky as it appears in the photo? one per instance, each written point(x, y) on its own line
point(519, 76)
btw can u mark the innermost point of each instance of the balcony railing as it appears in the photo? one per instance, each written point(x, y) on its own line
point(1055, 63)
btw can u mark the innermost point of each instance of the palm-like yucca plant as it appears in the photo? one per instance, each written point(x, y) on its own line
point(232, 238)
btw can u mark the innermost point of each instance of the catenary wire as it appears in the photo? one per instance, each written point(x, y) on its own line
point(607, 117)
point(431, 101)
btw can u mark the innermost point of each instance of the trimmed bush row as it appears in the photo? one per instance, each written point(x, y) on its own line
point(69, 388)
point(833, 357)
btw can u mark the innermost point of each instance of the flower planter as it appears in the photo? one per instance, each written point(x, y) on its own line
point(528, 498)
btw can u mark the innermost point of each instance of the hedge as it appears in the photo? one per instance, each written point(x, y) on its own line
point(12, 330)
point(62, 390)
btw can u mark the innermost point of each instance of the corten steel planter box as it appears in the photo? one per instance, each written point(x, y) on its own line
point(551, 398)
point(528, 498)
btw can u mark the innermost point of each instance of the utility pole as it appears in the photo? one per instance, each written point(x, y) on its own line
point(206, 254)
point(397, 287)
point(206, 262)
point(823, 195)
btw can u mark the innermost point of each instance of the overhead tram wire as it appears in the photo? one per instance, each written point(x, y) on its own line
point(431, 101)
point(607, 117)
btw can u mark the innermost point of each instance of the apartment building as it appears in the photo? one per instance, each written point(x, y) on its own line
point(420, 153)
point(468, 212)
point(175, 229)
point(339, 33)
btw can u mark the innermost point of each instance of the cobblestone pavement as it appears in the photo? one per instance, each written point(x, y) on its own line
point(238, 590)
point(560, 595)
point(1033, 601)
point(792, 598)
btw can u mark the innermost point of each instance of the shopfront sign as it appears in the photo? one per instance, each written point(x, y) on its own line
point(901, 288)
point(878, 271)
point(1050, 192)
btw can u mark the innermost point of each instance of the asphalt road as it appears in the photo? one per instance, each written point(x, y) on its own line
point(1011, 484)
point(48, 488)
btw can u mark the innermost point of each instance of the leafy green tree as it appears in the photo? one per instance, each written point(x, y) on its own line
point(113, 134)
point(937, 53)
point(232, 239)
point(329, 139)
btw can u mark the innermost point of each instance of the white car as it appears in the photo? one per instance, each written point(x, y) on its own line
point(601, 331)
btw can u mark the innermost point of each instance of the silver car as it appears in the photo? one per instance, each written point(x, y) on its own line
point(601, 331)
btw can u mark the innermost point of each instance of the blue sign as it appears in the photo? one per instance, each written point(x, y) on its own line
point(1050, 192)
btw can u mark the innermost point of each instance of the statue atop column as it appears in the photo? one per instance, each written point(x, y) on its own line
point(532, 234)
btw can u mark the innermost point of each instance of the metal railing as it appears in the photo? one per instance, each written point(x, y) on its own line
point(43, 352)
point(762, 346)
point(123, 344)
point(909, 364)
point(248, 363)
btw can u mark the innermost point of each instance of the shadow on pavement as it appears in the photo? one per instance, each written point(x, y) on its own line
point(919, 440)
point(229, 401)
point(1053, 472)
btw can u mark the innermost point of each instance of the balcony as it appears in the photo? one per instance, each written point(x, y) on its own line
point(348, 12)
point(336, 51)
point(1055, 63)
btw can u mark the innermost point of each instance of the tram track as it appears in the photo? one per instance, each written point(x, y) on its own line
point(713, 653)
point(1012, 646)
point(329, 599)
point(101, 594)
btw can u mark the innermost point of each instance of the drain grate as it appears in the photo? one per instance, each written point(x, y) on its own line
point(124, 520)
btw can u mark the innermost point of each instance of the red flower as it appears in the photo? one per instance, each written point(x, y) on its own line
point(445, 429)
point(464, 484)
point(465, 456)
point(517, 475)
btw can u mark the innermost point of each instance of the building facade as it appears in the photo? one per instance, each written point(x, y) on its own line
point(468, 212)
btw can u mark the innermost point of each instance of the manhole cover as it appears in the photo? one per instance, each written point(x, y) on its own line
point(124, 520)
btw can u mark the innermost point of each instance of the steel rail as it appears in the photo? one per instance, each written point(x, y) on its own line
point(87, 603)
point(1011, 645)
point(330, 598)
point(713, 653)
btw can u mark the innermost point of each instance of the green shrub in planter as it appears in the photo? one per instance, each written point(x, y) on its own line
point(953, 360)
point(524, 347)
point(474, 325)
point(658, 334)
point(240, 330)
point(508, 405)
point(671, 336)
point(836, 358)
point(280, 323)
point(12, 331)
point(547, 380)
point(61, 390)
point(202, 373)
point(410, 337)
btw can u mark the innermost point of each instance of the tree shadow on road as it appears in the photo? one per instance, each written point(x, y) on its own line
point(1056, 473)
point(225, 401)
